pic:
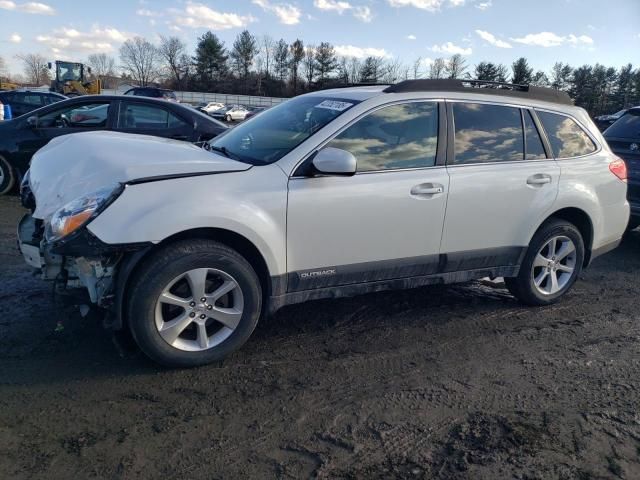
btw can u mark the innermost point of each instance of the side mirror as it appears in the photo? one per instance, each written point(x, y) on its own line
point(335, 161)
point(32, 121)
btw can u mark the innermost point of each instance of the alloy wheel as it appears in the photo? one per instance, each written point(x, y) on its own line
point(199, 309)
point(554, 265)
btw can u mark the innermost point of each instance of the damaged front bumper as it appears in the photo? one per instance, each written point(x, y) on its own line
point(80, 266)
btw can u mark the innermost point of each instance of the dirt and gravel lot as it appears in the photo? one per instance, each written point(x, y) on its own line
point(439, 382)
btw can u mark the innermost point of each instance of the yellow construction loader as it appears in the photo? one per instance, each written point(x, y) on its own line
point(8, 85)
point(71, 80)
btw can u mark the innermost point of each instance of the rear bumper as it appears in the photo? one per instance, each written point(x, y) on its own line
point(605, 249)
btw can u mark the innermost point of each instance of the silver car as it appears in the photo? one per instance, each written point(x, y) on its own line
point(330, 194)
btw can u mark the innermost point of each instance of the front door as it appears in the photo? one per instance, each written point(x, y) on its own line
point(385, 222)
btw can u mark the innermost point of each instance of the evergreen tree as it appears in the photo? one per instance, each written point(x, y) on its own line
point(522, 74)
point(281, 59)
point(561, 76)
point(210, 61)
point(326, 62)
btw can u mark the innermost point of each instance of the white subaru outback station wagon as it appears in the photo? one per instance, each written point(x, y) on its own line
point(329, 194)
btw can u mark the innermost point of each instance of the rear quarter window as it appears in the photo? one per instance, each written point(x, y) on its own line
point(566, 137)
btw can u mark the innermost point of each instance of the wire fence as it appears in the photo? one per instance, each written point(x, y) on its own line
point(202, 97)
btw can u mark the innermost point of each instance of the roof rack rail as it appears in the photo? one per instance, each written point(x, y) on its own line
point(482, 86)
point(351, 85)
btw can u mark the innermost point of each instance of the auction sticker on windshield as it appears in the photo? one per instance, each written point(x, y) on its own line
point(334, 105)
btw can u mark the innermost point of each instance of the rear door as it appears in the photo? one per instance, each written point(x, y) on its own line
point(502, 182)
point(152, 119)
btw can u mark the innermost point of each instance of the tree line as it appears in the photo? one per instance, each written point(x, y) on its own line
point(261, 65)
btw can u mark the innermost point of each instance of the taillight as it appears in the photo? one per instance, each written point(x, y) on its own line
point(619, 169)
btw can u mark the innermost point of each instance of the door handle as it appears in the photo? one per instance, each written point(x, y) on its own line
point(427, 189)
point(539, 179)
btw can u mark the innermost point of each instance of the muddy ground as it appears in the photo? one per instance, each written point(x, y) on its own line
point(439, 382)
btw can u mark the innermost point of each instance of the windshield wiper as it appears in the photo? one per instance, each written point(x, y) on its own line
point(225, 152)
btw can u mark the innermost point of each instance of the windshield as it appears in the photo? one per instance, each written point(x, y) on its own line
point(69, 71)
point(268, 137)
point(627, 126)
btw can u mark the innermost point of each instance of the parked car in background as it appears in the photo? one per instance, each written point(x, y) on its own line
point(605, 121)
point(330, 194)
point(210, 107)
point(25, 101)
point(22, 137)
point(624, 139)
point(153, 92)
point(232, 113)
point(253, 111)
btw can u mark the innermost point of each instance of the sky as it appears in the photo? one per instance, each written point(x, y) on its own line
point(543, 31)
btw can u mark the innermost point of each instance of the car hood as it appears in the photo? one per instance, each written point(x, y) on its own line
point(74, 165)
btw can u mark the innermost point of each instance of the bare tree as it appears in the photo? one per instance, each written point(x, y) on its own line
point(173, 52)
point(309, 64)
point(266, 51)
point(436, 70)
point(101, 64)
point(140, 59)
point(3, 68)
point(392, 71)
point(416, 67)
point(35, 68)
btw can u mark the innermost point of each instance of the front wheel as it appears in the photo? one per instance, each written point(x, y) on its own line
point(551, 265)
point(194, 302)
point(228, 118)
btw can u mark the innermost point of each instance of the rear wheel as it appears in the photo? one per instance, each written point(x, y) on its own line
point(633, 224)
point(7, 177)
point(228, 118)
point(193, 303)
point(551, 265)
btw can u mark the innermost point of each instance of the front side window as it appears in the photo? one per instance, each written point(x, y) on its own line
point(487, 133)
point(268, 137)
point(393, 137)
point(88, 115)
point(147, 117)
point(566, 137)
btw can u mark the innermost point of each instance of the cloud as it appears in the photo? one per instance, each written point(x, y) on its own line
point(484, 5)
point(429, 5)
point(287, 14)
point(144, 12)
point(97, 40)
point(451, 49)
point(550, 39)
point(35, 8)
point(490, 38)
point(15, 38)
point(411, 37)
point(360, 52)
point(362, 13)
point(198, 15)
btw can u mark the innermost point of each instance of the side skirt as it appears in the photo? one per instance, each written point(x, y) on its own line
point(277, 302)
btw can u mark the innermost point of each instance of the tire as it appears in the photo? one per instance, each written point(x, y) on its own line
point(228, 119)
point(152, 320)
point(524, 287)
point(7, 177)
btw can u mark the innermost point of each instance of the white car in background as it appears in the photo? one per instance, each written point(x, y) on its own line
point(211, 107)
point(330, 194)
point(234, 113)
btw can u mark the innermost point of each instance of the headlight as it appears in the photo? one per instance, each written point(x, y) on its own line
point(80, 211)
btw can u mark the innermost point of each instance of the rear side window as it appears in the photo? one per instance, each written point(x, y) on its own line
point(393, 137)
point(534, 146)
point(566, 137)
point(147, 117)
point(627, 126)
point(487, 133)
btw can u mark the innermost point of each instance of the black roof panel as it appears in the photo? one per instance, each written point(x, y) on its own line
point(481, 86)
